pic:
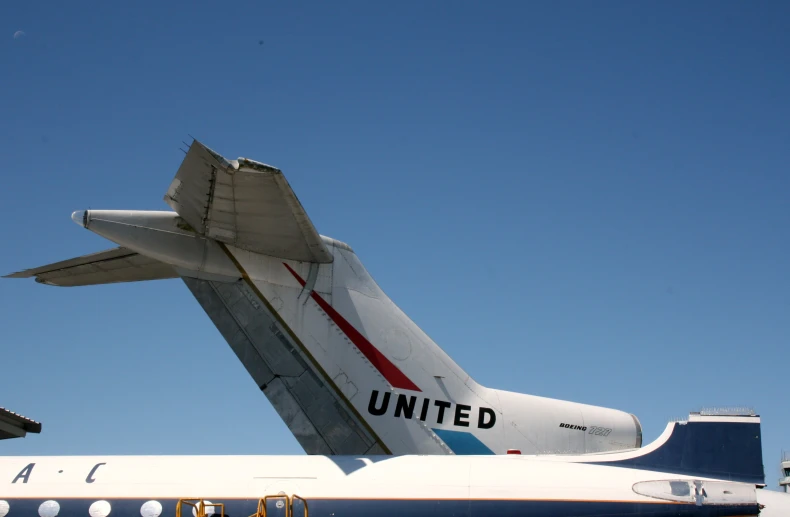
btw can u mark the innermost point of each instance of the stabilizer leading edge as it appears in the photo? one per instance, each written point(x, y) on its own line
point(305, 398)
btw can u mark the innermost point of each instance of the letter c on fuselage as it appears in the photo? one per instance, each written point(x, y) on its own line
point(90, 478)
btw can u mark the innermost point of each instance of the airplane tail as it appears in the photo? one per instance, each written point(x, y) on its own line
point(345, 368)
point(389, 384)
point(709, 445)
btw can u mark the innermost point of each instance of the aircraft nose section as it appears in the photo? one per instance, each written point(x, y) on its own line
point(80, 217)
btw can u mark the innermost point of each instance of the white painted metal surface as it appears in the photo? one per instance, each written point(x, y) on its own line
point(396, 477)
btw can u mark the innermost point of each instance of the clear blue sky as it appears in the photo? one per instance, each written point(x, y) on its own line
point(582, 200)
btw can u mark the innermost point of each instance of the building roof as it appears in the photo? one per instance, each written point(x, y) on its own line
point(13, 425)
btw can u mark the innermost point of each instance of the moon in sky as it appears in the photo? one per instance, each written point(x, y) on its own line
point(19, 34)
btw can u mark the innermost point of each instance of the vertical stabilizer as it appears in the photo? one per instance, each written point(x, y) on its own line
point(708, 444)
point(411, 396)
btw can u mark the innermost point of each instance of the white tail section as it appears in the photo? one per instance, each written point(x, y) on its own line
point(411, 394)
point(345, 368)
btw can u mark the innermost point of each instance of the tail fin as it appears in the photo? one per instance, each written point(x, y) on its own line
point(374, 367)
point(720, 446)
point(345, 368)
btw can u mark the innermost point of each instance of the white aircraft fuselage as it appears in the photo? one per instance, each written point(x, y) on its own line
point(706, 466)
point(311, 486)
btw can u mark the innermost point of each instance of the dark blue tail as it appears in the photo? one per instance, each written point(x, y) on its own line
point(727, 447)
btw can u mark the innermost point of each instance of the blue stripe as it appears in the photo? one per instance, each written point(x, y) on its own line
point(400, 507)
point(462, 443)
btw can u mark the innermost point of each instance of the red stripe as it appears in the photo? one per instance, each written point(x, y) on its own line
point(390, 372)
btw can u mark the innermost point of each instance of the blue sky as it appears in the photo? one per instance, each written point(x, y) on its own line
point(581, 200)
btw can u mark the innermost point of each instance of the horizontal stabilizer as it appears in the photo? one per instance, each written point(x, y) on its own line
point(244, 203)
point(714, 446)
point(104, 267)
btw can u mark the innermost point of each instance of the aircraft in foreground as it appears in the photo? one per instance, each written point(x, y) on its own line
point(345, 368)
point(708, 466)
